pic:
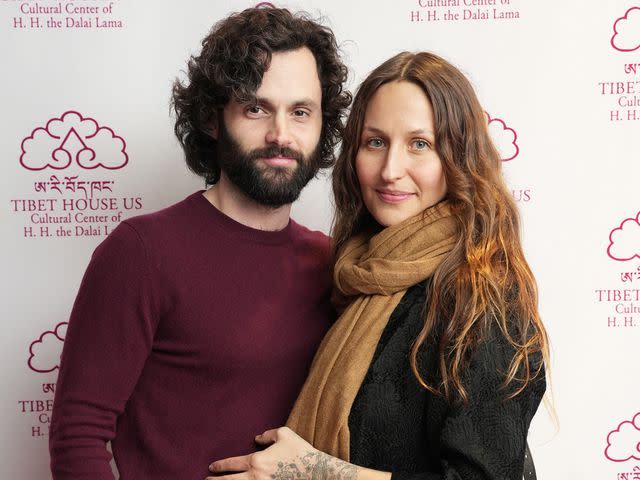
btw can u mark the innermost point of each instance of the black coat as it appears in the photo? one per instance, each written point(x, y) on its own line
point(398, 426)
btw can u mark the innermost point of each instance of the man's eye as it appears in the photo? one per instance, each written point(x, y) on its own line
point(254, 109)
point(301, 113)
point(375, 143)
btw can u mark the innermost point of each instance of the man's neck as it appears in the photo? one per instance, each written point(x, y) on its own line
point(231, 201)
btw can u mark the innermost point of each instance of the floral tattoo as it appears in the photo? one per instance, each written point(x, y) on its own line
point(316, 466)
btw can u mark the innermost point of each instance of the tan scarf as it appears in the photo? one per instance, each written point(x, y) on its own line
point(374, 272)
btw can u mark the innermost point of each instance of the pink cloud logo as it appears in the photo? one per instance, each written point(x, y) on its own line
point(624, 241)
point(44, 353)
point(626, 31)
point(623, 443)
point(73, 138)
point(265, 4)
point(504, 138)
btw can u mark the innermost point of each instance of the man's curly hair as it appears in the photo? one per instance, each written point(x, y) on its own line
point(234, 57)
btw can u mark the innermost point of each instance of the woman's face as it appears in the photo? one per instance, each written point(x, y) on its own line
point(399, 170)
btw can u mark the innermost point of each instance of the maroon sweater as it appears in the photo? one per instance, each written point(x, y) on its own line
point(191, 333)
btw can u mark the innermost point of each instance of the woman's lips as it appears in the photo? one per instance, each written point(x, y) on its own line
point(392, 196)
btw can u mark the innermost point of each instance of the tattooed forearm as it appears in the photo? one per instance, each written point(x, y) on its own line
point(316, 466)
point(325, 467)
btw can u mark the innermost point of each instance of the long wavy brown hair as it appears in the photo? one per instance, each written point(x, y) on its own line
point(485, 280)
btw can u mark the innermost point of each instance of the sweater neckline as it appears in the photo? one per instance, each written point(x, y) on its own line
point(236, 228)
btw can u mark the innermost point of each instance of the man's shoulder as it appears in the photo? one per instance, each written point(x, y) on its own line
point(310, 238)
point(165, 220)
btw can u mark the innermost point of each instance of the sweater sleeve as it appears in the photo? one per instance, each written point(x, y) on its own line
point(108, 339)
point(486, 438)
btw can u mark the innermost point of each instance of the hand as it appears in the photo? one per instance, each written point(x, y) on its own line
point(288, 457)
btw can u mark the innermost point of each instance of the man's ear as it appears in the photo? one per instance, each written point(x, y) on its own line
point(211, 128)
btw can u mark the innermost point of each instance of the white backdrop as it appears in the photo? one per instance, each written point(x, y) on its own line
point(559, 79)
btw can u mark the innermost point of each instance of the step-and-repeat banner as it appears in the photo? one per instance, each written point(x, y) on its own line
point(87, 141)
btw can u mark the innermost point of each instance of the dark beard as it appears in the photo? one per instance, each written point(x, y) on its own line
point(269, 186)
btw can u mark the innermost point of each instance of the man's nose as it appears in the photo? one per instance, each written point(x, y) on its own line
point(278, 132)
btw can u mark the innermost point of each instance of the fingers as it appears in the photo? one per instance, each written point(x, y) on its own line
point(268, 437)
point(231, 464)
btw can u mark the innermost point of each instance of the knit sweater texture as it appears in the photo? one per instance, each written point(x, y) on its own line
point(190, 334)
point(398, 426)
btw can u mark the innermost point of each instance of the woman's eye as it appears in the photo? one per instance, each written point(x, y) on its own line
point(375, 143)
point(420, 144)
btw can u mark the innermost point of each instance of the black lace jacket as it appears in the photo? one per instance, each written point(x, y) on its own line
point(398, 426)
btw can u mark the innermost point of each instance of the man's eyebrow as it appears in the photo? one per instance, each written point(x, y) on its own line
point(303, 102)
point(306, 102)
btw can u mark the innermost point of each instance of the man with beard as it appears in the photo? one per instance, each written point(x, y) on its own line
point(194, 326)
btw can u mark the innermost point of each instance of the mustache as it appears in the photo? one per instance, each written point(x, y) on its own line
point(274, 151)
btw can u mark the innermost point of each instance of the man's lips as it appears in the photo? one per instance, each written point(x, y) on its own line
point(279, 161)
point(393, 196)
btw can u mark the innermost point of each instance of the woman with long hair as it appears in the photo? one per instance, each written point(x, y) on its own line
point(435, 367)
